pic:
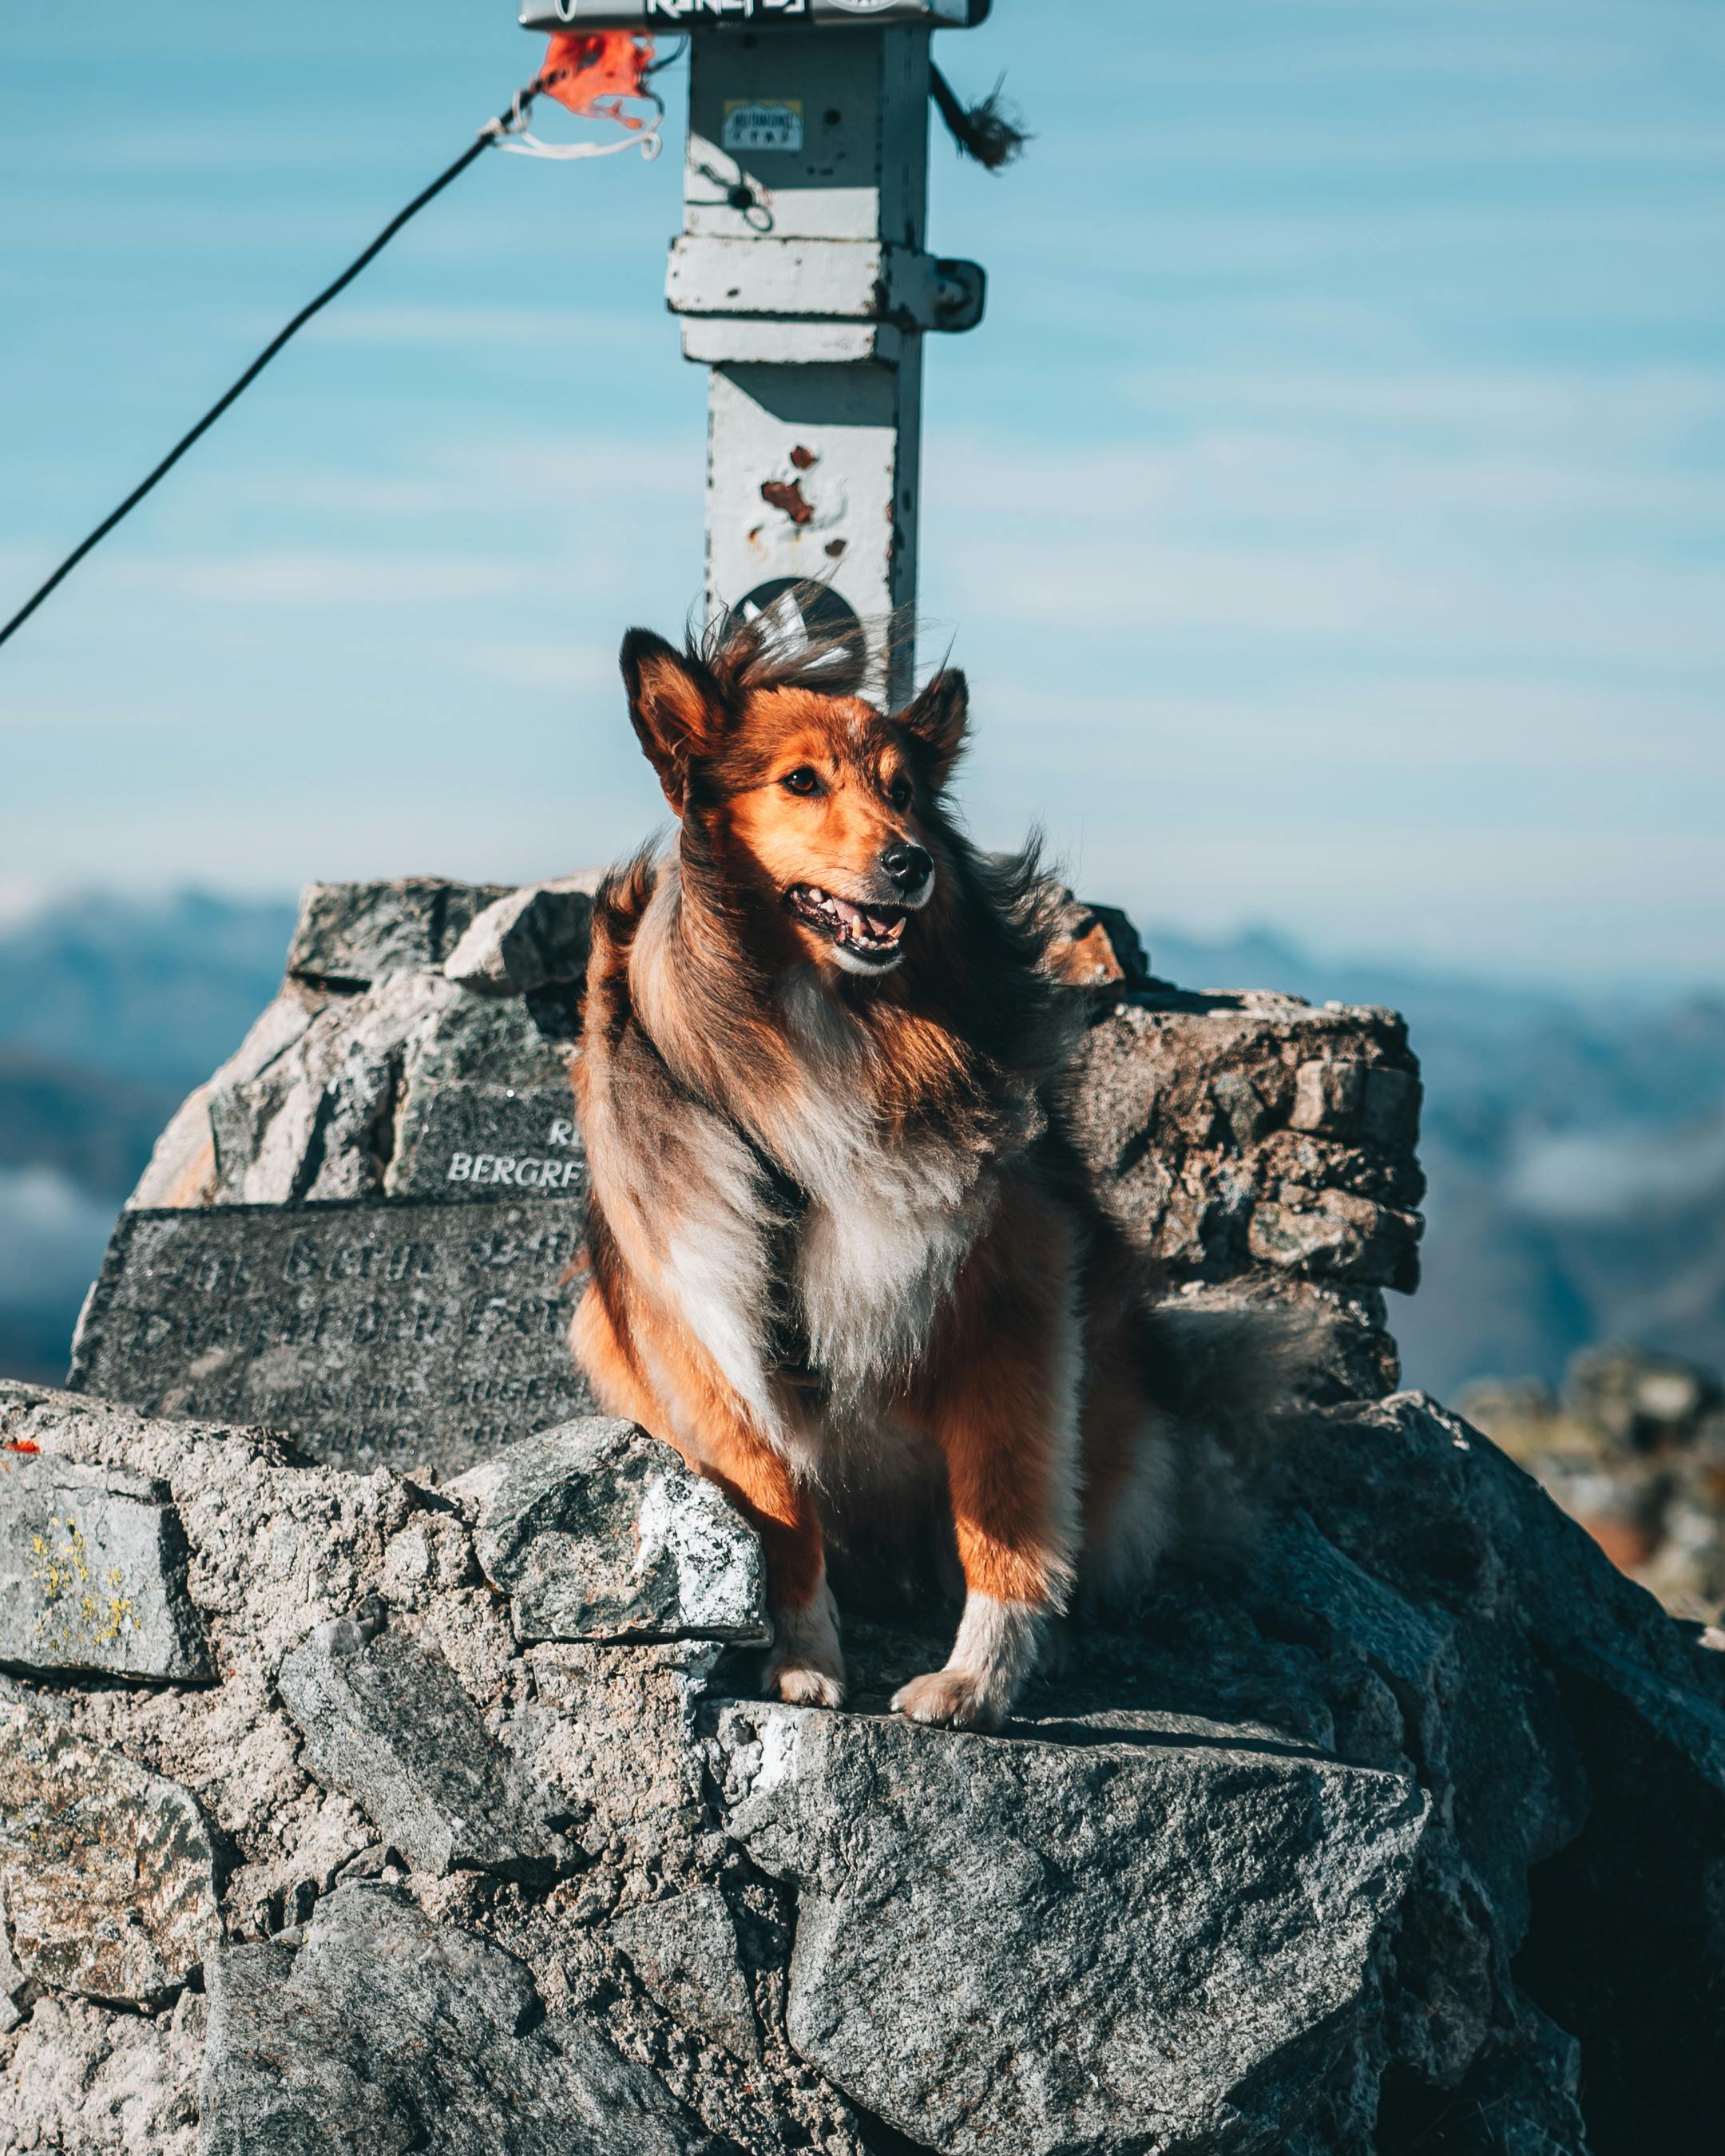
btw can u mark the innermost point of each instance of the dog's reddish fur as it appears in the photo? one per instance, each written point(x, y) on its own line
point(834, 1235)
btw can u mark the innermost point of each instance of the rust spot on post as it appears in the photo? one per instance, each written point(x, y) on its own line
point(804, 459)
point(787, 494)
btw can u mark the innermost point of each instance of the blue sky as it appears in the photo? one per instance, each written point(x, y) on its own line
point(1330, 513)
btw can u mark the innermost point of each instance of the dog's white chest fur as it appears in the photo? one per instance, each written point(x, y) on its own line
point(866, 1270)
point(872, 1269)
point(887, 1225)
point(866, 1259)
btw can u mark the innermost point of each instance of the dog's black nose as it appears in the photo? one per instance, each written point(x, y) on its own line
point(908, 865)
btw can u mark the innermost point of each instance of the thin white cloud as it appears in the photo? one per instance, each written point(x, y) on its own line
point(1612, 1175)
point(1613, 409)
point(587, 464)
point(311, 578)
point(22, 898)
point(1521, 901)
point(1497, 728)
point(328, 493)
point(546, 666)
point(1488, 544)
point(574, 327)
point(52, 1237)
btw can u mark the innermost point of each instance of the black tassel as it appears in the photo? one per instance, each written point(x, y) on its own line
point(992, 131)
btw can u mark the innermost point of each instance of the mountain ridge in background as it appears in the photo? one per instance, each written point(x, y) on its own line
point(1575, 1144)
point(111, 1009)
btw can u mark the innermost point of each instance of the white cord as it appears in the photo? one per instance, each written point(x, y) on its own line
point(513, 134)
point(525, 145)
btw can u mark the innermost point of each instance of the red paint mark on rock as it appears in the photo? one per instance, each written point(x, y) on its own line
point(787, 494)
point(21, 1444)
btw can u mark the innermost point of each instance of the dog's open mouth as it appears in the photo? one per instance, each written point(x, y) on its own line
point(871, 931)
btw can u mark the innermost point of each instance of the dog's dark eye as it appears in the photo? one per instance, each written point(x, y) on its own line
point(899, 794)
point(802, 780)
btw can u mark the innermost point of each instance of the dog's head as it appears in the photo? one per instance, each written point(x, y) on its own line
point(817, 805)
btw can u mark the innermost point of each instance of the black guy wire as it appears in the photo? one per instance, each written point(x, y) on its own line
point(516, 111)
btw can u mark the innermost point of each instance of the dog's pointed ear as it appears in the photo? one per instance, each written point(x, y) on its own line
point(938, 719)
point(674, 705)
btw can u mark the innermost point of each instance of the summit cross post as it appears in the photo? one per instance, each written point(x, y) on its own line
point(804, 285)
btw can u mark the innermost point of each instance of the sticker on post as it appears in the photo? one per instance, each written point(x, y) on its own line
point(800, 614)
point(763, 123)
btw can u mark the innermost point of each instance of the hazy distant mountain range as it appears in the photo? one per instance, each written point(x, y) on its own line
point(110, 1011)
point(1576, 1146)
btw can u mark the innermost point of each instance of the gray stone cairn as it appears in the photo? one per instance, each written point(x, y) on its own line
point(381, 1766)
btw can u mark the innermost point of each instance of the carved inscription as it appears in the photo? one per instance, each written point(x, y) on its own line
point(534, 1172)
point(471, 1141)
point(408, 1333)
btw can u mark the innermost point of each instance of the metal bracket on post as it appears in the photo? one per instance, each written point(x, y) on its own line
point(803, 283)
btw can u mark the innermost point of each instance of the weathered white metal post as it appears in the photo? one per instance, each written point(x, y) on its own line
point(803, 284)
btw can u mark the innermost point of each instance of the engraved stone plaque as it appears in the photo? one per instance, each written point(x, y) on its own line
point(465, 1142)
point(399, 1332)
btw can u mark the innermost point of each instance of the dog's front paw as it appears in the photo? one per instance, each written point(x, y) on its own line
point(950, 1699)
point(806, 1667)
point(802, 1681)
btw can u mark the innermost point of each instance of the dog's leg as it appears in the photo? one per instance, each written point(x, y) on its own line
point(605, 1353)
point(806, 1665)
point(1005, 1410)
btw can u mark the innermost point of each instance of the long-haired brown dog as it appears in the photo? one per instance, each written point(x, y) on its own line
point(835, 1235)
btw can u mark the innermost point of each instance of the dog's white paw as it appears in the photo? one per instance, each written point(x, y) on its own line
point(948, 1699)
point(806, 1667)
point(993, 1653)
point(801, 1683)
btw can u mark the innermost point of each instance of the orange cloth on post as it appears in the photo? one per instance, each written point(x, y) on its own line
point(591, 72)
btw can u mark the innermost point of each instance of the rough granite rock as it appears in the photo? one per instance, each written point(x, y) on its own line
point(1474, 1657)
point(277, 1547)
point(387, 1723)
point(106, 1874)
point(485, 1076)
point(1099, 947)
point(582, 1695)
point(1400, 1837)
point(378, 2030)
point(1188, 1114)
point(1037, 1947)
point(535, 938)
point(13, 1980)
point(1187, 1108)
point(597, 1533)
point(685, 1952)
point(357, 934)
point(86, 2081)
point(93, 1572)
point(346, 1086)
